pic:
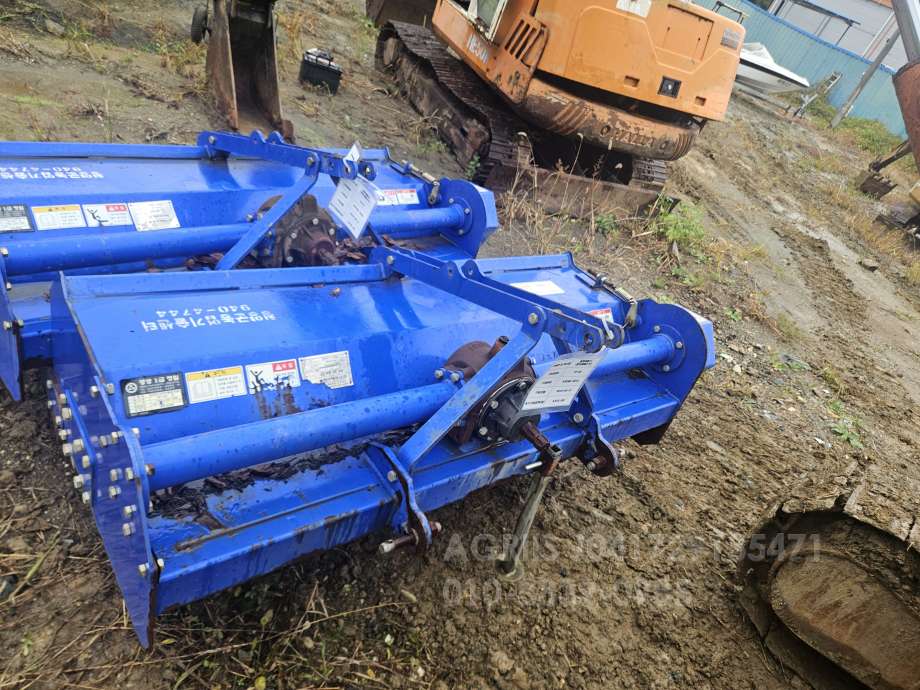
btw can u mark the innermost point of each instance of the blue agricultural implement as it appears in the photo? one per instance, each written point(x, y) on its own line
point(241, 376)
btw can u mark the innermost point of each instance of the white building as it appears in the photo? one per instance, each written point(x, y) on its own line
point(861, 26)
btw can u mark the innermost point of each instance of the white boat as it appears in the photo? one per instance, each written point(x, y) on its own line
point(760, 72)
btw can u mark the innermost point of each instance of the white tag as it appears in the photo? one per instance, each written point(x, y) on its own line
point(557, 388)
point(356, 153)
point(637, 7)
point(543, 288)
point(272, 376)
point(13, 218)
point(215, 384)
point(353, 203)
point(106, 214)
point(332, 369)
point(58, 217)
point(154, 215)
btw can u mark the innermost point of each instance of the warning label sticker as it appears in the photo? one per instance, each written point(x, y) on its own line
point(58, 217)
point(606, 314)
point(272, 376)
point(353, 203)
point(396, 197)
point(332, 369)
point(543, 288)
point(150, 394)
point(106, 214)
point(14, 218)
point(154, 215)
point(215, 384)
point(557, 388)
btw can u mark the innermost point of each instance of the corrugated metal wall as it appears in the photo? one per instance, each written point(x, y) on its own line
point(815, 59)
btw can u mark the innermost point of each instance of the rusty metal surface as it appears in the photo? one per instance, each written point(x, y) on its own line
point(219, 65)
point(603, 125)
point(831, 578)
point(907, 89)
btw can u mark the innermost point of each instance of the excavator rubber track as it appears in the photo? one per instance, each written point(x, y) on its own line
point(486, 136)
point(831, 580)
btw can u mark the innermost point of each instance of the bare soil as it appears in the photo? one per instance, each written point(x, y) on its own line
point(631, 580)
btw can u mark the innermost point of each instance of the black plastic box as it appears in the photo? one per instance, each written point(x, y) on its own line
point(318, 68)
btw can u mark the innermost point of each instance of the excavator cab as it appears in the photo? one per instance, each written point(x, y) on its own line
point(242, 65)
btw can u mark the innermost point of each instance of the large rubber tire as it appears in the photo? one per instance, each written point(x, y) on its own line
point(199, 24)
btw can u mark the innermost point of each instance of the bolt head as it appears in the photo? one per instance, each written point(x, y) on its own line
point(85, 462)
point(7, 325)
point(483, 431)
point(143, 569)
point(129, 474)
point(657, 329)
point(78, 446)
point(439, 374)
point(666, 368)
point(128, 511)
point(679, 345)
point(9, 285)
point(161, 563)
point(66, 414)
point(67, 449)
point(454, 377)
point(311, 161)
point(212, 139)
point(391, 260)
point(494, 404)
point(391, 476)
point(578, 417)
point(4, 251)
point(127, 529)
point(114, 475)
point(78, 481)
point(86, 497)
point(94, 391)
point(149, 469)
point(63, 434)
point(110, 388)
point(533, 319)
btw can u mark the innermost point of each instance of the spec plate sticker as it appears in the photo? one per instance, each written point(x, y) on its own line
point(543, 288)
point(353, 203)
point(154, 215)
point(332, 369)
point(106, 214)
point(60, 217)
point(215, 384)
point(14, 218)
point(149, 394)
point(397, 197)
point(557, 388)
point(272, 376)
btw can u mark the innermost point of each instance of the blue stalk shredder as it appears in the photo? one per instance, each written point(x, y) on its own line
point(241, 376)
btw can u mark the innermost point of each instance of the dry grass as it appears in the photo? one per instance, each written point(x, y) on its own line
point(913, 273)
point(294, 24)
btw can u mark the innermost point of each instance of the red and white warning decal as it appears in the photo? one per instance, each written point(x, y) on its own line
point(106, 214)
point(272, 376)
point(606, 314)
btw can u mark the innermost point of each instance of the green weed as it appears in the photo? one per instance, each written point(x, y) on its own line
point(683, 226)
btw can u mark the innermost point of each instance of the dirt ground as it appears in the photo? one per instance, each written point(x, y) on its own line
point(631, 580)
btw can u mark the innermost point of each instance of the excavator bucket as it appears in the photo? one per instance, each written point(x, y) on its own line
point(242, 66)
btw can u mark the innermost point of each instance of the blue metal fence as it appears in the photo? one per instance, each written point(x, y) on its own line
point(815, 59)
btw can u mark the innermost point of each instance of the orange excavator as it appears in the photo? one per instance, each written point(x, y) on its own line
point(598, 96)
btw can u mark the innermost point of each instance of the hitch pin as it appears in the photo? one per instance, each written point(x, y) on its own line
point(410, 539)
